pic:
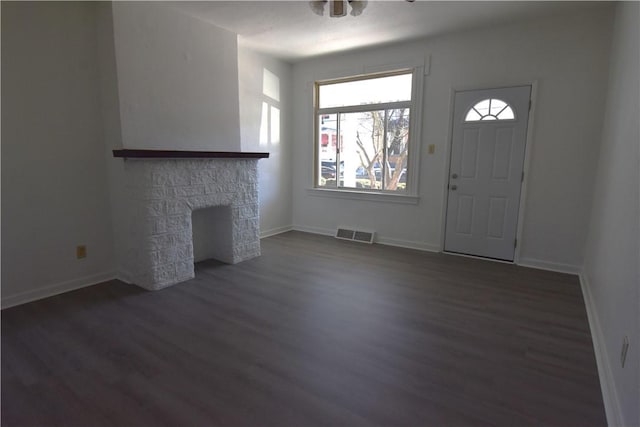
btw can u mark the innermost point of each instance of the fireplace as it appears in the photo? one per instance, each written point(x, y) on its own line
point(170, 196)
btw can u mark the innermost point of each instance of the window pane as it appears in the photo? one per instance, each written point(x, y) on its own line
point(327, 150)
point(362, 145)
point(506, 114)
point(395, 169)
point(482, 107)
point(472, 116)
point(369, 91)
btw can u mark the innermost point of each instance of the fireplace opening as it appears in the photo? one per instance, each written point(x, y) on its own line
point(212, 230)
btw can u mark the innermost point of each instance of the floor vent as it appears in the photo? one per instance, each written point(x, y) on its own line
point(355, 235)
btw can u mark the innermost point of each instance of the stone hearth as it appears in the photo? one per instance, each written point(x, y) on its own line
point(162, 193)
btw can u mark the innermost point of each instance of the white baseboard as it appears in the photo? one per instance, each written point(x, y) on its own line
point(499, 261)
point(550, 266)
point(314, 230)
point(525, 262)
point(612, 407)
point(124, 276)
point(55, 289)
point(275, 231)
point(379, 240)
point(408, 244)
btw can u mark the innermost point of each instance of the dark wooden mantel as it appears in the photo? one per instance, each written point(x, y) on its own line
point(178, 154)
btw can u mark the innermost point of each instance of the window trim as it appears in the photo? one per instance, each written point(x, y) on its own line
point(415, 107)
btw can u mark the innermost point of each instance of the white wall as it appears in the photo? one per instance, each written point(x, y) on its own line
point(54, 182)
point(611, 274)
point(265, 112)
point(177, 78)
point(566, 55)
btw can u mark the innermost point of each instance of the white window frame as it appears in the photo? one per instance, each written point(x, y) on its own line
point(415, 106)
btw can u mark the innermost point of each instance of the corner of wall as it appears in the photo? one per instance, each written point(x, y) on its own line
point(111, 122)
point(610, 277)
point(264, 88)
point(609, 394)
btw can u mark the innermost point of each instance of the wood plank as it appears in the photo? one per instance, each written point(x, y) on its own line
point(186, 154)
point(316, 331)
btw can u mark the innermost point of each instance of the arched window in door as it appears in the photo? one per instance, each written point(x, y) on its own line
point(490, 109)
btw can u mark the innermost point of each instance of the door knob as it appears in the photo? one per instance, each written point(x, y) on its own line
point(454, 176)
point(454, 187)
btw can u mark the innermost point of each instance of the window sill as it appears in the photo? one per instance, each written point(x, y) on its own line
point(370, 196)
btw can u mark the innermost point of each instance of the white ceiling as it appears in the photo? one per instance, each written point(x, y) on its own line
point(291, 31)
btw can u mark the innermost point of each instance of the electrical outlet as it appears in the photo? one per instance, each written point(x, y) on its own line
point(81, 251)
point(625, 348)
point(432, 148)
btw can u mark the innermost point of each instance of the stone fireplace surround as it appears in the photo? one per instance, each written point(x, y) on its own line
point(163, 188)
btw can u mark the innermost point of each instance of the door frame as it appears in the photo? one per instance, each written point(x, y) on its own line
point(529, 140)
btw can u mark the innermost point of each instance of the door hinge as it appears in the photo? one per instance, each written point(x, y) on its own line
point(529, 105)
point(522, 177)
point(515, 243)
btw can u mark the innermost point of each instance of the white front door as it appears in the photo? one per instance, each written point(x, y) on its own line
point(485, 174)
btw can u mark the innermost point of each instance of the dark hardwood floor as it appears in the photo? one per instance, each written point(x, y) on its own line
point(315, 332)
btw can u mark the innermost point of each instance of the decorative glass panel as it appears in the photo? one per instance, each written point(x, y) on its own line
point(490, 109)
point(472, 116)
point(482, 107)
point(497, 106)
point(506, 114)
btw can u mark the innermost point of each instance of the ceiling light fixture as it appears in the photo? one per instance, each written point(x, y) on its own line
point(338, 8)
